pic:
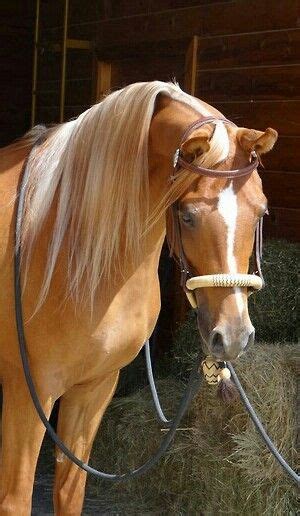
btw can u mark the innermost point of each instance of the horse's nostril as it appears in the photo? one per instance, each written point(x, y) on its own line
point(217, 343)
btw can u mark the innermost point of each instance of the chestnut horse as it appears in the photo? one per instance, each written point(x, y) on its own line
point(93, 228)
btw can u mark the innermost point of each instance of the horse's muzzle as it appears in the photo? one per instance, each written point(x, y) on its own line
point(227, 342)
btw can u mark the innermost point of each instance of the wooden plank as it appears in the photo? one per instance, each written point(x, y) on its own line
point(249, 83)
point(284, 156)
point(127, 71)
point(47, 114)
point(79, 65)
point(14, 69)
point(82, 44)
point(86, 11)
point(17, 8)
point(284, 116)
point(17, 16)
point(142, 50)
point(78, 92)
point(9, 31)
point(13, 124)
point(50, 114)
point(191, 66)
point(22, 22)
point(281, 188)
point(51, 14)
point(214, 19)
point(275, 47)
point(77, 44)
point(49, 67)
point(15, 94)
point(120, 8)
point(103, 79)
point(217, 52)
point(283, 223)
point(16, 45)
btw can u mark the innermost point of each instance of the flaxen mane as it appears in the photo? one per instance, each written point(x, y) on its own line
point(95, 168)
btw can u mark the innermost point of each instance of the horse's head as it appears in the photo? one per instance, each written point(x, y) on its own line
point(217, 218)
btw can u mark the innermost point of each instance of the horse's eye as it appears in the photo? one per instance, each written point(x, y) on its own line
point(187, 218)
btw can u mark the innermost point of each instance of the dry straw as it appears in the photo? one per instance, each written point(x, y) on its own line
point(218, 464)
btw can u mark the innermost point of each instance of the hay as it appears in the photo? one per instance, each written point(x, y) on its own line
point(217, 464)
point(273, 310)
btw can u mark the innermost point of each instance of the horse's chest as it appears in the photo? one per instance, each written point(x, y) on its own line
point(118, 340)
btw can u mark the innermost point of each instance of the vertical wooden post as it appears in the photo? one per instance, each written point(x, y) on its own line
point(103, 79)
point(64, 64)
point(190, 72)
point(35, 63)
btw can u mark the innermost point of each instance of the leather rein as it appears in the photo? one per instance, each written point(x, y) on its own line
point(188, 281)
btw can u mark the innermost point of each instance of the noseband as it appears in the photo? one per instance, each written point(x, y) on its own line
point(189, 282)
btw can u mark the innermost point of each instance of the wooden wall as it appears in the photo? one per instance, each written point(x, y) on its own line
point(255, 80)
point(248, 65)
point(16, 46)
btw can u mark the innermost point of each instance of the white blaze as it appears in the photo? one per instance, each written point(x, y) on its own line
point(227, 207)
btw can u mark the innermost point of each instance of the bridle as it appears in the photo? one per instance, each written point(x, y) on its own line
point(188, 281)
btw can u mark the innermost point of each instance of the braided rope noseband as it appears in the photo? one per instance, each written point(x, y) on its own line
point(253, 281)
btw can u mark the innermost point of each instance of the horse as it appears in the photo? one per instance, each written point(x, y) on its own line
point(97, 200)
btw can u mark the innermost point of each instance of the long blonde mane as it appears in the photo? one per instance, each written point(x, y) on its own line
point(95, 170)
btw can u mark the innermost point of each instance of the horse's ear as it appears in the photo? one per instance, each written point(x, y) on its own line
point(197, 145)
point(259, 141)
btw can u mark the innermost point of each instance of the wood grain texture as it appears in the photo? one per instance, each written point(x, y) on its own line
point(50, 114)
point(16, 46)
point(103, 81)
point(284, 155)
point(281, 188)
point(283, 223)
point(144, 49)
point(275, 47)
point(249, 83)
point(78, 92)
point(126, 71)
point(119, 8)
point(248, 63)
point(215, 19)
point(282, 115)
point(79, 65)
point(190, 67)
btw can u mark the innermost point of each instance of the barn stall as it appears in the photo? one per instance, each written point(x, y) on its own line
point(241, 57)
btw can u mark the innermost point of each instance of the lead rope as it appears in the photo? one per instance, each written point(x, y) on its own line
point(215, 372)
point(191, 388)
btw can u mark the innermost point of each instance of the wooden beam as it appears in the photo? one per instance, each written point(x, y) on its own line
point(78, 44)
point(281, 187)
point(103, 79)
point(283, 115)
point(210, 19)
point(283, 223)
point(35, 63)
point(64, 63)
point(249, 83)
point(81, 44)
point(190, 72)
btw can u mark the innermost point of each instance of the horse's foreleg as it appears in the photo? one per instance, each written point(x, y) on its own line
point(80, 413)
point(22, 435)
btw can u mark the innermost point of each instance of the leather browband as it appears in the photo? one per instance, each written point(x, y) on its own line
point(179, 162)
